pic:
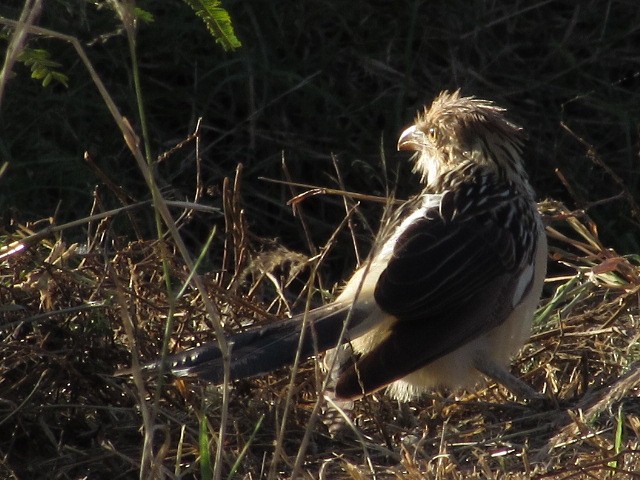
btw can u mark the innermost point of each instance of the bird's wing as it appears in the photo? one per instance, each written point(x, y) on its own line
point(456, 272)
point(479, 231)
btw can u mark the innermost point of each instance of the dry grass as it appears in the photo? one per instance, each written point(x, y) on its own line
point(63, 337)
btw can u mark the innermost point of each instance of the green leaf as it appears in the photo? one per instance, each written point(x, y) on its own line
point(206, 469)
point(60, 78)
point(245, 449)
point(42, 66)
point(218, 22)
point(618, 437)
point(143, 15)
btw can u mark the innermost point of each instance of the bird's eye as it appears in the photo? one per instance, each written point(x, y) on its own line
point(433, 133)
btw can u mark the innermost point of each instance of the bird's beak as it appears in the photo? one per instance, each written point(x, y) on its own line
point(411, 139)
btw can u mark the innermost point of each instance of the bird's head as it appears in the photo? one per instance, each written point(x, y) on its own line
point(457, 129)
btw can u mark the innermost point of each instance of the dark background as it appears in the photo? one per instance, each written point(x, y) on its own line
point(317, 79)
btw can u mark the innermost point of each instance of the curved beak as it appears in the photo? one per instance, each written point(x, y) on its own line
point(411, 139)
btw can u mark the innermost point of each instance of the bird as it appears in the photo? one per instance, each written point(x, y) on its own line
point(448, 293)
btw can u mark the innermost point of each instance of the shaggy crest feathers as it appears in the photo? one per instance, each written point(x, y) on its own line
point(455, 129)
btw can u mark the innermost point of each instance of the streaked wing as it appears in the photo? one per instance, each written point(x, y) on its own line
point(476, 234)
point(450, 279)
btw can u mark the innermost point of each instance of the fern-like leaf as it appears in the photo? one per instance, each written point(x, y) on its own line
point(42, 67)
point(218, 22)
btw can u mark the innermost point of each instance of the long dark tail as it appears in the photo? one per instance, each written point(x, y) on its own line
point(265, 349)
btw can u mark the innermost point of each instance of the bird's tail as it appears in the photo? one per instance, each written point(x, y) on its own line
point(262, 350)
